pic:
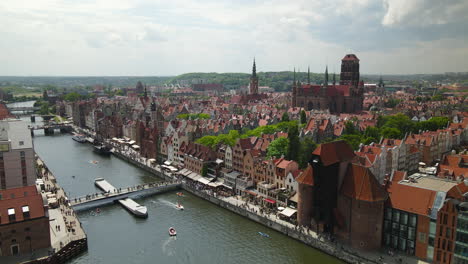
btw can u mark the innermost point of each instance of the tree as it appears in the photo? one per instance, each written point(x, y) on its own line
point(303, 117)
point(391, 132)
point(372, 134)
point(353, 140)
point(44, 108)
point(208, 141)
point(307, 147)
point(278, 147)
point(350, 129)
point(294, 143)
point(72, 97)
point(204, 170)
point(285, 117)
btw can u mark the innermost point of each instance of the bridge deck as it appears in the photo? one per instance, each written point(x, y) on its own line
point(119, 192)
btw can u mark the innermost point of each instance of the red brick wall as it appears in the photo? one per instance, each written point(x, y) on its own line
point(444, 243)
point(305, 204)
point(366, 224)
point(38, 232)
point(422, 237)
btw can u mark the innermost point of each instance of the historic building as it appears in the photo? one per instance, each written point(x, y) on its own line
point(253, 94)
point(345, 97)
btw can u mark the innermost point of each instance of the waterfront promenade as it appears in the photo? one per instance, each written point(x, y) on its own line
point(250, 211)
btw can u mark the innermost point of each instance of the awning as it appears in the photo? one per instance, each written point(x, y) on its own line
point(270, 201)
point(288, 212)
point(204, 180)
point(215, 184)
point(135, 146)
point(250, 192)
point(152, 160)
point(115, 139)
point(25, 209)
point(227, 186)
point(131, 142)
point(168, 162)
point(173, 168)
point(11, 211)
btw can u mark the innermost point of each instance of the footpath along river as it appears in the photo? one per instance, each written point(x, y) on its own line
point(205, 233)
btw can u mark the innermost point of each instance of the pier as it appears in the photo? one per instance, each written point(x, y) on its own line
point(94, 200)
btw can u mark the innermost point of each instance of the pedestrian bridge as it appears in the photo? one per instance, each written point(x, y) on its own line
point(101, 198)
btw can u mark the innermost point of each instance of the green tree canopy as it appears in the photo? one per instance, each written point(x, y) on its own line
point(294, 143)
point(278, 147)
point(72, 97)
point(285, 117)
point(303, 117)
point(307, 147)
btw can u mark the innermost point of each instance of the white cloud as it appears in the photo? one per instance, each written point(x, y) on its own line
point(139, 37)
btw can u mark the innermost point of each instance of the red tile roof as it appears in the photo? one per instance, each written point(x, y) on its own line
point(32, 199)
point(360, 184)
point(410, 198)
point(306, 177)
point(333, 152)
point(4, 112)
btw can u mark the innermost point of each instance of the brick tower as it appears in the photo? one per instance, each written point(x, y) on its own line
point(254, 80)
point(350, 70)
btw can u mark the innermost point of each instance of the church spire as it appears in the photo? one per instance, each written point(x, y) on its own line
point(326, 76)
point(146, 92)
point(308, 75)
point(254, 69)
point(294, 81)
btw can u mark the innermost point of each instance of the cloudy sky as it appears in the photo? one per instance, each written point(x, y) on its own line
point(155, 37)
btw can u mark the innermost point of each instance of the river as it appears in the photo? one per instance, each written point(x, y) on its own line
point(205, 233)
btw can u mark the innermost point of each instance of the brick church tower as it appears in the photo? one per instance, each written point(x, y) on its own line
point(350, 70)
point(254, 80)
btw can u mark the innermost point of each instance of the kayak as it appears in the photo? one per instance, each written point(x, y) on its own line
point(263, 234)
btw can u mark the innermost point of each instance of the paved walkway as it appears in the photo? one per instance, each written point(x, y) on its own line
point(64, 224)
point(378, 256)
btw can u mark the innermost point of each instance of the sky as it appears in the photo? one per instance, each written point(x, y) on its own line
point(160, 38)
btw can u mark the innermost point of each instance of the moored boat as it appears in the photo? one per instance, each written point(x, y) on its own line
point(172, 231)
point(102, 150)
point(264, 234)
point(79, 138)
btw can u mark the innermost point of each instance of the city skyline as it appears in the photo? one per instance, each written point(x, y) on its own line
point(141, 38)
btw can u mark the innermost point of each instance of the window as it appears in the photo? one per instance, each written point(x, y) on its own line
point(448, 232)
point(21, 143)
point(22, 154)
point(11, 215)
point(26, 214)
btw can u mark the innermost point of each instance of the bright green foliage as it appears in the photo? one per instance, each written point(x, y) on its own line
point(433, 124)
point(391, 132)
point(438, 97)
point(269, 129)
point(392, 102)
point(303, 117)
point(213, 141)
point(278, 147)
point(194, 116)
point(294, 143)
point(307, 147)
point(44, 108)
point(350, 129)
point(352, 140)
point(285, 117)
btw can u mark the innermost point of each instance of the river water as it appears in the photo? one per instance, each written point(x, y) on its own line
point(205, 233)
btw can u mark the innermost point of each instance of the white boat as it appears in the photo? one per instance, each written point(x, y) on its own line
point(179, 206)
point(134, 208)
point(79, 138)
point(172, 231)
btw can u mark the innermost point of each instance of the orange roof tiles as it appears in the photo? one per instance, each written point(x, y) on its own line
point(16, 198)
point(410, 198)
point(306, 177)
point(333, 152)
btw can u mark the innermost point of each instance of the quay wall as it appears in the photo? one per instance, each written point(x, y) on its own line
point(134, 195)
point(70, 251)
point(339, 253)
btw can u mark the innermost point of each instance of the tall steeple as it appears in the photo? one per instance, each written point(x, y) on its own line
point(308, 75)
point(254, 80)
point(294, 80)
point(326, 76)
point(254, 69)
point(146, 92)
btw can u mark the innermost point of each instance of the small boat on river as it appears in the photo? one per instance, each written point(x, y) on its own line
point(172, 231)
point(79, 138)
point(264, 234)
point(179, 206)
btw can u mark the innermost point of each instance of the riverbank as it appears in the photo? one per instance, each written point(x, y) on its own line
point(68, 238)
point(253, 213)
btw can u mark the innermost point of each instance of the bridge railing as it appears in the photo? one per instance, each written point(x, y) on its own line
point(118, 191)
